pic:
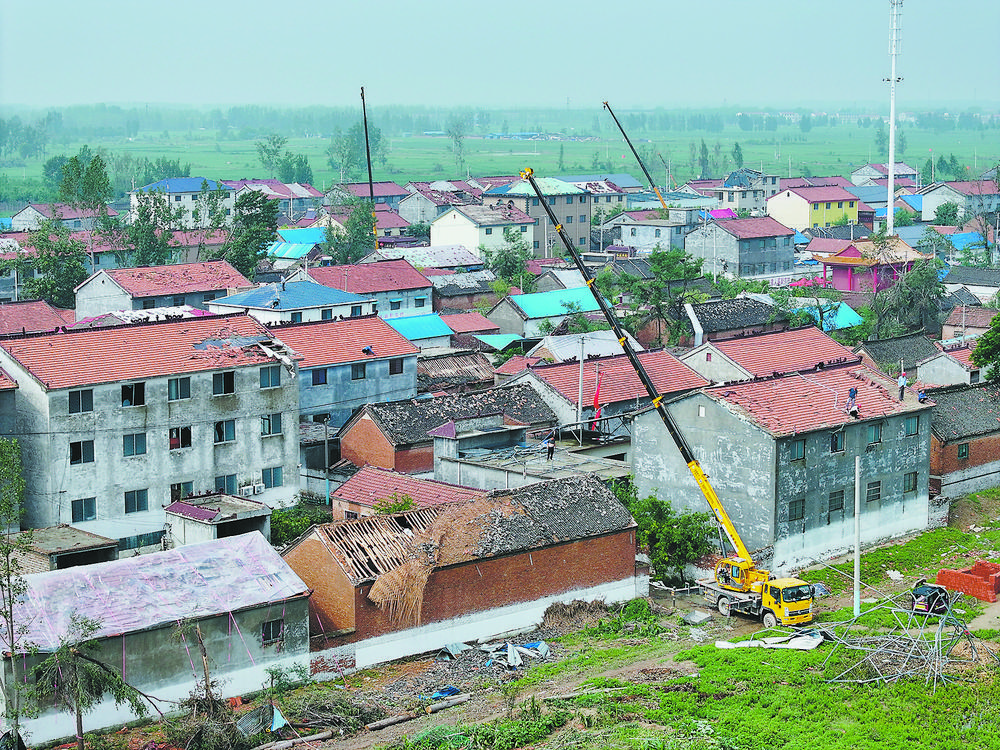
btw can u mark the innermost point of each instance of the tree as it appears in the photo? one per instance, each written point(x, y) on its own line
point(397, 502)
point(456, 132)
point(59, 264)
point(927, 172)
point(662, 295)
point(52, 170)
point(269, 152)
point(74, 680)
point(881, 139)
point(805, 123)
point(900, 144)
point(903, 218)
point(294, 168)
point(13, 545)
point(357, 238)
point(85, 184)
point(209, 210)
point(737, 155)
point(255, 224)
point(936, 244)
point(946, 214)
point(673, 539)
point(987, 351)
point(562, 157)
point(346, 153)
point(149, 239)
point(510, 261)
point(703, 160)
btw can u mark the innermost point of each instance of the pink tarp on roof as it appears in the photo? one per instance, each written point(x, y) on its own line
point(138, 593)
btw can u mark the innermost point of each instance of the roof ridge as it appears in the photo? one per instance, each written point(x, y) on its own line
point(138, 323)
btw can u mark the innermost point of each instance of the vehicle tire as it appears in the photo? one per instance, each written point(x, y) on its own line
point(723, 606)
point(770, 619)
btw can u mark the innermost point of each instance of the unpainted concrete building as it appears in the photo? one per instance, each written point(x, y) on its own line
point(780, 454)
point(116, 423)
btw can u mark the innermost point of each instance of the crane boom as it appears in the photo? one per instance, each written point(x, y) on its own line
point(692, 463)
point(636, 155)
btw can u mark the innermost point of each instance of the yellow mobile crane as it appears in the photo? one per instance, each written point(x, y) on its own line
point(739, 585)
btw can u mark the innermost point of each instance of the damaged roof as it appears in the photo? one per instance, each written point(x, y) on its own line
point(408, 422)
point(32, 316)
point(966, 412)
point(140, 593)
point(502, 523)
point(290, 295)
point(972, 316)
point(180, 278)
point(470, 322)
point(459, 284)
point(730, 314)
point(453, 368)
point(147, 350)
point(323, 343)
point(798, 402)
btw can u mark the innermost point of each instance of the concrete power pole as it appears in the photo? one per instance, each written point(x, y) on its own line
point(890, 212)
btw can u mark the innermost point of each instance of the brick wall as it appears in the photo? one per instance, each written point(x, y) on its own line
point(982, 450)
point(364, 444)
point(331, 606)
point(475, 586)
point(982, 580)
point(416, 459)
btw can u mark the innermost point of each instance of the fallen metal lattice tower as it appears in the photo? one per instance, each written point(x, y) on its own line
point(936, 647)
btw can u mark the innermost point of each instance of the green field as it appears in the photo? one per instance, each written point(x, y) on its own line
point(787, 152)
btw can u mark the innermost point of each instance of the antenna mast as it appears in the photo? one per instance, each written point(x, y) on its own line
point(895, 6)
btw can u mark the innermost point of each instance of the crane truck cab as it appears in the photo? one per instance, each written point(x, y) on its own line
point(741, 587)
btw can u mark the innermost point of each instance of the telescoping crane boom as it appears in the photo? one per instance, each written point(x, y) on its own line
point(752, 589)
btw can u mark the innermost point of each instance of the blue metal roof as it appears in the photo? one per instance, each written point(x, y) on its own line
point(842, 317)
point(295, 295)
point(498, 341)
point(548, 304)
point(915, 202)
point(416, 327)
point(182, 185)
point(288, 250)
point(303, 235)
point(6, 223)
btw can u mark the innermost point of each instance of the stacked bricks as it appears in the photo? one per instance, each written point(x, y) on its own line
point(982, 580)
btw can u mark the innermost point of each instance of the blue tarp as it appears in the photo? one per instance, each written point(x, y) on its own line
point(303, 235)
point(416, 327)
point(843, 316)
point(550, 304)
point(499, 341)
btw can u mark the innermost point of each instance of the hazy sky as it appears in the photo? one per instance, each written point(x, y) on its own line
point(663, 53)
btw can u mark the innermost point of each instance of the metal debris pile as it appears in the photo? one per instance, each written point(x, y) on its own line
point(937, 648)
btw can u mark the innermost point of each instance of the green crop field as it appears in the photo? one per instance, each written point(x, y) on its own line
point(786, 152)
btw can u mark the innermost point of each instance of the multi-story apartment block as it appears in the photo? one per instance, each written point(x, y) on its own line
point(116, 423)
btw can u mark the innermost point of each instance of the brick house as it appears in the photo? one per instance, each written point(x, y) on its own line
point(385, 587)
point(394, 435)
point(463, 291)
point(194, 284)
point(115, 423)
point(965, 438)
point(781, 451)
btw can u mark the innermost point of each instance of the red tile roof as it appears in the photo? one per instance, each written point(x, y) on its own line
point(369, 278)
point(385, 217)
point(744, 229)
point(974, 317)
point(133, 352)
point(470, 322)
point(960, 353)
point(973, 187)
point(66, 211)
point(517, 363)
point(372, 484)
point(784, 351)
point(7, 383)
point(805, 402)
point(180, 278)
point(335, 342)
point(827, 245)
point(618, 380)
point(379, 189)
point(819, 194)
point(31, 317)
